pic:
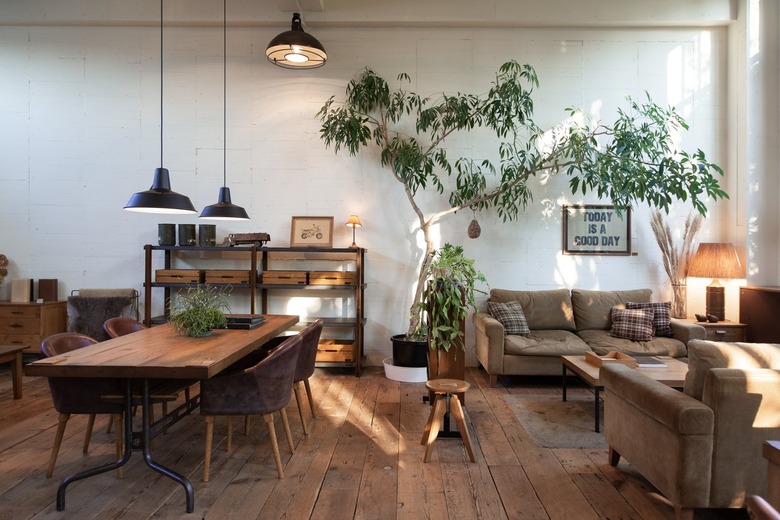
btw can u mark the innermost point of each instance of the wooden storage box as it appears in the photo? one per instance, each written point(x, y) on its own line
point(284, 277)
point(611, 357)
point(335, 351)
point(332, 278)
point(227, 276)
point(178, 276)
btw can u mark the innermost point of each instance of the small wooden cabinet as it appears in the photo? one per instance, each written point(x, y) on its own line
point(29, 323)
point(724, 330)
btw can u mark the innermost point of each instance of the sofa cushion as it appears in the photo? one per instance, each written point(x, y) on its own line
point(662, 316)
point(546, 343)
point(602, 343)
point(511, 316)
point(593, 309)
point(704, 355)
point(634, 324)
point(544, 310)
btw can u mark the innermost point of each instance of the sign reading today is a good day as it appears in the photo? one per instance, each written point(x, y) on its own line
point(596, 229)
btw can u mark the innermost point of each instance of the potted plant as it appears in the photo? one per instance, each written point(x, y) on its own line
point(199, 310)
point(632, 160)
point(446, 300)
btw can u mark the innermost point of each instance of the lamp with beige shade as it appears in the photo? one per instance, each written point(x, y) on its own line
point(716, 260)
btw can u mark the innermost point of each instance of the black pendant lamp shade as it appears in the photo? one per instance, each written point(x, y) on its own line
point(295, 49)
point(224, 209)
point(160, 198)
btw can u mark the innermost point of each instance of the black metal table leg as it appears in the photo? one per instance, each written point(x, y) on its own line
point(128, 432)
point(563, 378)
point(148, 453)
point(596, 388)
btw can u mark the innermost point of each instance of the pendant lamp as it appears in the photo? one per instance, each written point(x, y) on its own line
point(224, 209)
point(160, 198)
point(295, 49)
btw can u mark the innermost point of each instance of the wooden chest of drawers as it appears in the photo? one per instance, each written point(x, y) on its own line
point(29, 323)
point(724, 331)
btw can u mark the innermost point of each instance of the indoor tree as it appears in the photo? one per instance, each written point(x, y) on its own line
point(631, 160)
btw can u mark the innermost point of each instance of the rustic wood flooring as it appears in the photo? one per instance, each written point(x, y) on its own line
point(362, 459)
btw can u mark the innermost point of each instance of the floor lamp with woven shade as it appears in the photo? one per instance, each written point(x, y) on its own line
point(716, 260)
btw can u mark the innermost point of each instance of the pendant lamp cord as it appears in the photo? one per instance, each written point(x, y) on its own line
point(224, 93)
point(162, 134)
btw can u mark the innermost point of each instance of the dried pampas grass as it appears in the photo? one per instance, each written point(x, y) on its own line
point(675, 259)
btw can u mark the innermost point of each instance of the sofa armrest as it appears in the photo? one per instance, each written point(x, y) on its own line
point(489, 341)
point(663, 433)
point(685, 330)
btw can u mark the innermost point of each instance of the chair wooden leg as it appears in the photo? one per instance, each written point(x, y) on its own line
point(88, 433)
point(457, 411)
point(207, 454)
point(229, 433)
point(311, 398)
point(269, 422)
point(614, 457)
point(438, 415)
point(63, 421)
point(299, 402)
point(683, 513)
point(246, 424)
point(117, 417)
point(110, 424)
point(287, 432)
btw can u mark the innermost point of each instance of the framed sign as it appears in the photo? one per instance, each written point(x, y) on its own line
point(311, 232)
point(592, 229)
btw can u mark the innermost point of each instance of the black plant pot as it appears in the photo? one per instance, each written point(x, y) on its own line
point(409, 353)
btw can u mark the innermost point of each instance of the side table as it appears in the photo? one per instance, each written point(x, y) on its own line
point(13, 354)
point(723, 330)
point(771, 452)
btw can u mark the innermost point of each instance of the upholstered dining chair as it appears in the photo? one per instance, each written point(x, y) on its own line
point(80, 395)
point(310, 338)
point(121, 325)
point(261, 389)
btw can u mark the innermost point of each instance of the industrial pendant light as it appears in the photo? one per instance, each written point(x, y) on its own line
point(224, 209)
point(295, 49)
point(160, 198)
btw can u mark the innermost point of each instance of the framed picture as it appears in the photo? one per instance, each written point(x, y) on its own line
point(593, 229)
point(311, 232)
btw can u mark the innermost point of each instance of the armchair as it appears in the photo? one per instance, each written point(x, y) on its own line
point(701, 448)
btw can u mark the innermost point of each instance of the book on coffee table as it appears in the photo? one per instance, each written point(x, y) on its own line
point(649, 362)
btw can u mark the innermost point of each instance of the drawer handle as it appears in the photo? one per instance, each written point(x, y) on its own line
point(16, 325)
point(17, 312)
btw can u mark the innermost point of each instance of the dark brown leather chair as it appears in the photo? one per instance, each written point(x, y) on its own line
point(79, 395)
point(121, 325)
point(261, 389)
point(310, 337)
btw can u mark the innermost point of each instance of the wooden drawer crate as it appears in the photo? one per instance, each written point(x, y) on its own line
point(332, 278)
point(227, 276)
point(335, 351)
point(284, 277)
point(178, 276)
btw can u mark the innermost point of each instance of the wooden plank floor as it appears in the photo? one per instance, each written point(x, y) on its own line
point(363, 459)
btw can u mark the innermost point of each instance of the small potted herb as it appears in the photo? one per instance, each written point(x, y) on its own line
point(200, 310)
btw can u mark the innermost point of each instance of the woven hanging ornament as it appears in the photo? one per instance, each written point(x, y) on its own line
point(474, 230)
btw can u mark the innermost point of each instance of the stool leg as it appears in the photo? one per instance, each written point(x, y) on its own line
point(438, 415)
point(427, 430)
point(457, 411)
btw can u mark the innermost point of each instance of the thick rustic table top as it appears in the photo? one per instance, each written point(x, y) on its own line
point(160, 353)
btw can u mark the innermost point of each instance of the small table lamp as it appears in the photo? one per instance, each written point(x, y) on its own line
point(354, 222)
point(716, 260)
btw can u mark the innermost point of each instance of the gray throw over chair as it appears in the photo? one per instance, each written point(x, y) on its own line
point(261, 389)
point(72, 395)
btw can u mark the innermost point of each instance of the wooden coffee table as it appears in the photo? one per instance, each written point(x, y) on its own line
point(673, 374)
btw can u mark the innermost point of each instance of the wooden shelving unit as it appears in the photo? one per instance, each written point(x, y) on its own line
point(342, 340)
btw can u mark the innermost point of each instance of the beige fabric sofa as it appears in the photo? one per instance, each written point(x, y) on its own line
point(702, 448)
point(564, 322)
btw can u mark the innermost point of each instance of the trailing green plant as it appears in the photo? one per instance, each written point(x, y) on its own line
point(199, 310)
point(631, 160)
point(448, 296)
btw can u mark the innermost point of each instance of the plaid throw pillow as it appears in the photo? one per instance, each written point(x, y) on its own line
point(511, 316)
point(662, 316)
point(633, 324)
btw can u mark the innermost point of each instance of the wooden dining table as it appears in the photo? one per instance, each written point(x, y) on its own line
point(151, 357)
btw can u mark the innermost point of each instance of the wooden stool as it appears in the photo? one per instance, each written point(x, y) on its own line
point(446, 402)
point(13, 354)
